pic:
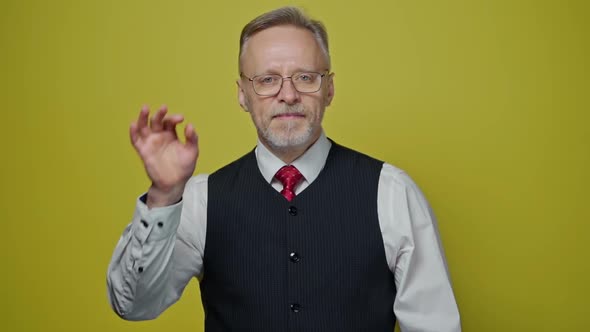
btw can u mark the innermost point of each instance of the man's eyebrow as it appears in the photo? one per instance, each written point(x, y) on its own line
point(274, 71)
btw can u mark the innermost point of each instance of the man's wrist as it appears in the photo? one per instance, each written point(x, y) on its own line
point(159, 198)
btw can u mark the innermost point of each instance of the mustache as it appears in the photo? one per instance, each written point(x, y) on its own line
point(297, 109)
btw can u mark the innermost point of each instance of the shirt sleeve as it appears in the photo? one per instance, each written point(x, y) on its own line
point(158, 253)
point(424, 299)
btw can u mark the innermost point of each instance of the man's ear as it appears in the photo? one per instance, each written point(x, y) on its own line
point(242, 96)
point(330, 94)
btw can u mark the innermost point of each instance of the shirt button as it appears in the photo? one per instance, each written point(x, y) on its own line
point(144, 223)
point(294, 257)
point(292, 210)
point(295, 307)
point(140, 269)
point(160, 224)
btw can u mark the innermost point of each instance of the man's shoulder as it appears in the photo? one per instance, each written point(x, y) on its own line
point(347, 152)
point(392, 173)
point(398, 179)
point(236, 165)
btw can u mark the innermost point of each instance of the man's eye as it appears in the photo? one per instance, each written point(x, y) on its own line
point(266, 79)
point(306, 77)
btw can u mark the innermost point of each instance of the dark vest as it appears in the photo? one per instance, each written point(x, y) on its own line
point(314, 264)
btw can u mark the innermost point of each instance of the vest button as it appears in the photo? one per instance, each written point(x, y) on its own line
point(295, 307)
point(294, 257)
point(292, 210)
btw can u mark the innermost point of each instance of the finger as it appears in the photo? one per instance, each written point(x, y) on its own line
point(142, 119)
point(171, 121)
point(191, 136)
point(133, 133)
point(156, 123)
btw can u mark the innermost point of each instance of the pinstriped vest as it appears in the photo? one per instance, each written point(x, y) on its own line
point(316, 263)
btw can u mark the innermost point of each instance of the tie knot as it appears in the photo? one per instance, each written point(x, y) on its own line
point(289, 176)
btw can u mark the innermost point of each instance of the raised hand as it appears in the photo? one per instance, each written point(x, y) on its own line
point(168, 162)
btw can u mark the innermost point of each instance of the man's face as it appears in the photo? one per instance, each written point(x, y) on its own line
point(290, 119)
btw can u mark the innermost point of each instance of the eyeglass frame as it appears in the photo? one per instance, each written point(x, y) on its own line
point(283, 78)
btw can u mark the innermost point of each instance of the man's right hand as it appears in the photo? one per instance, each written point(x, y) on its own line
point(169, 163)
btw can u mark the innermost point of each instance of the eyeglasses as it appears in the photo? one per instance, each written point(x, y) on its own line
point(271, 84)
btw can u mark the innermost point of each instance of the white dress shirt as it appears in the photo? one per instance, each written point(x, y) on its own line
point(162, 248)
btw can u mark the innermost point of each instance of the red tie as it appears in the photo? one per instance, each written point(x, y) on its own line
point(289, 177)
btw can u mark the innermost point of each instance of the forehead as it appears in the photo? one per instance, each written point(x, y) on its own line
point(282, 49)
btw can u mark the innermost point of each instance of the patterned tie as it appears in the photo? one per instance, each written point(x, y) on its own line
point(289, 177)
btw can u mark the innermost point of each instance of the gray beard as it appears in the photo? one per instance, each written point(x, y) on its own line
point(286, 138)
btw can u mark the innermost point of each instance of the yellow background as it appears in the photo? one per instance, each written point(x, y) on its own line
point(484, 103)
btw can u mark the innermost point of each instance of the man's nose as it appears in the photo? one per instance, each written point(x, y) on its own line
point(288, 93)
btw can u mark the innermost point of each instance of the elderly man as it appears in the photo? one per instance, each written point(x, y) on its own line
point(300, 234)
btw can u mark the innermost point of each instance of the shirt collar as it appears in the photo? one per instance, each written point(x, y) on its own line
point(310, 164)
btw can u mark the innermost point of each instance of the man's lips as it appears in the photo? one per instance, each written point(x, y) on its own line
point(289, 115)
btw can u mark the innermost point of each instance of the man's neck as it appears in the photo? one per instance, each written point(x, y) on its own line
point(291, 153)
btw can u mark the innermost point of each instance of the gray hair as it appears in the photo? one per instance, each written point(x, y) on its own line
point(286, 16)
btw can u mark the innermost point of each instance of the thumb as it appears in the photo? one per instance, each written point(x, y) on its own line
point(191, 136)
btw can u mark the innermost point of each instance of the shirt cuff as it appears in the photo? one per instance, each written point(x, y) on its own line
point(155, 224)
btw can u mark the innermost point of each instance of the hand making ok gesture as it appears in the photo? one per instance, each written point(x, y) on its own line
point(169, 163)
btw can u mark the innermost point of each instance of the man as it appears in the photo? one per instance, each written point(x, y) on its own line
point(300, 234)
